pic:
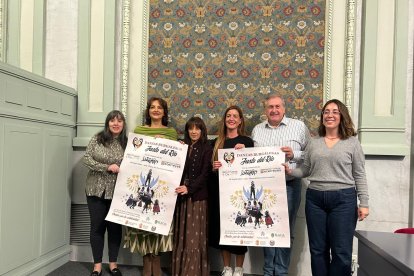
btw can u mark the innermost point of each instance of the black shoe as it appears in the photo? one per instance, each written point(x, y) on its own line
point(96, 273)
point(116, 272)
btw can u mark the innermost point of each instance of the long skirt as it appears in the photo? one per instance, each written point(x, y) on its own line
point(190, 254)
point(143, 242)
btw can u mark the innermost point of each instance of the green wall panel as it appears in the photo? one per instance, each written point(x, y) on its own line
point(90, 122)
point(56, 207)
point(37, 125)
point(19, 202)
point(384, 134)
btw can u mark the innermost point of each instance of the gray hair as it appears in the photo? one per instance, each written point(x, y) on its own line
point(272, 96)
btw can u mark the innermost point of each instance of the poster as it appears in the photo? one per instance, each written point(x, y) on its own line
point(253, 199)
point(144, 195)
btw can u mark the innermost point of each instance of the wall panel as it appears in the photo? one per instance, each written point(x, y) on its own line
point(56, 207)
point(30, 97)
point(384, 77)
point(96, 66)
point(20, 195)
point(37, 120)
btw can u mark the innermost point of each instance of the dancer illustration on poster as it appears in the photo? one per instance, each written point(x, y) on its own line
point(254, 198)
point(144, 196)
point(252, 212)
point(146, 192)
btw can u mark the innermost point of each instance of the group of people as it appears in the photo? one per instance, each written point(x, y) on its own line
point(333, 163)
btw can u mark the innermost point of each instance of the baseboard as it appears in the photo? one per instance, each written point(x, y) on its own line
point(44, 264)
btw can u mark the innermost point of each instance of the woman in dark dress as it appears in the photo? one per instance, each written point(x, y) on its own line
point(190, 218)
point(231, 135)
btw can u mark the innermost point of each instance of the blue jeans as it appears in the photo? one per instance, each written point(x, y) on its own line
point(277, 259)
point(331, 218)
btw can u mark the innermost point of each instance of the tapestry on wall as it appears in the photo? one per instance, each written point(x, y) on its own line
point(205, 55)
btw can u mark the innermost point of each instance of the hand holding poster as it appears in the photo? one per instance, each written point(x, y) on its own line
point(144, 195)
point(253, 191)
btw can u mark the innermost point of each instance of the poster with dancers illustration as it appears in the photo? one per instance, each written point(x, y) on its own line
point(253, 199)
point(144, 195)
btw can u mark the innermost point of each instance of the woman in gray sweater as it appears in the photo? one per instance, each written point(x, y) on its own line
point(334, 165)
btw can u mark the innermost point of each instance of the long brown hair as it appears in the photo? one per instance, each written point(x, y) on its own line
point(222, 131)
point(346, 127)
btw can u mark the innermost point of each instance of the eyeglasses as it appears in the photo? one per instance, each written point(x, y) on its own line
point(334, 112)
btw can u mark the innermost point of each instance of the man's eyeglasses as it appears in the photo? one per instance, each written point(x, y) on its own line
point(334, 112)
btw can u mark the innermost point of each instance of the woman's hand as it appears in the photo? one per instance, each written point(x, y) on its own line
point(288, 170)
point(216, 165)
point(181, 190)
point(114, 168)
point(363, 213)
point(181, 142)
point(239, 146)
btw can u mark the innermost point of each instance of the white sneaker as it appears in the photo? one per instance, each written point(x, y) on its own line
point(238, 271)
point(227, 271)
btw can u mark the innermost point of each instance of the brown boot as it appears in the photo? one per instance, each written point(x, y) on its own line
point(147, 265)
point(156, 265)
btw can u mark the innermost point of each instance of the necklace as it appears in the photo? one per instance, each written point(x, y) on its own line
point(332, 138)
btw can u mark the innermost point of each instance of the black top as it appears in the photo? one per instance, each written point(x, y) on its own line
point(232, 142)
point(214, 200)
point(197, 169)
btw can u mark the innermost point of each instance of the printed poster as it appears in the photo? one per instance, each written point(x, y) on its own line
point(144, 195)
point(253, 199)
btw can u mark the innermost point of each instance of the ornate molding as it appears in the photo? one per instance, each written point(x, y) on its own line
point(350, 52)
point(328, 50)
point(126, 5)
point(125, 53)
point(350, 29)
point(144, 60)
point(2, 27)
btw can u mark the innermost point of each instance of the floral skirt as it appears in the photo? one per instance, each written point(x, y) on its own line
point(190, 253)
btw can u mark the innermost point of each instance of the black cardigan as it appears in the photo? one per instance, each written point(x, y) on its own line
point(197, 169)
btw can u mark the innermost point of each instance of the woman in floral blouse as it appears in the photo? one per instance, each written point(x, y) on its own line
point(103, 157)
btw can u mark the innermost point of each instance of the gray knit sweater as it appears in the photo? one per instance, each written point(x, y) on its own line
point(339, 167)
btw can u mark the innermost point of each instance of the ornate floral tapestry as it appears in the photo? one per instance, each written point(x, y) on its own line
point(205, 55)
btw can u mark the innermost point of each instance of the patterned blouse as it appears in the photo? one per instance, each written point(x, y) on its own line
point(97, 158)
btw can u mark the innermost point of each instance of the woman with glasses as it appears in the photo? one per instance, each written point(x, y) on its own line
point(335, 166)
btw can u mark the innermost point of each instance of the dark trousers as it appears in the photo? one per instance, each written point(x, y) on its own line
point(277, 259)
point(331, 218)
point(98, 209)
